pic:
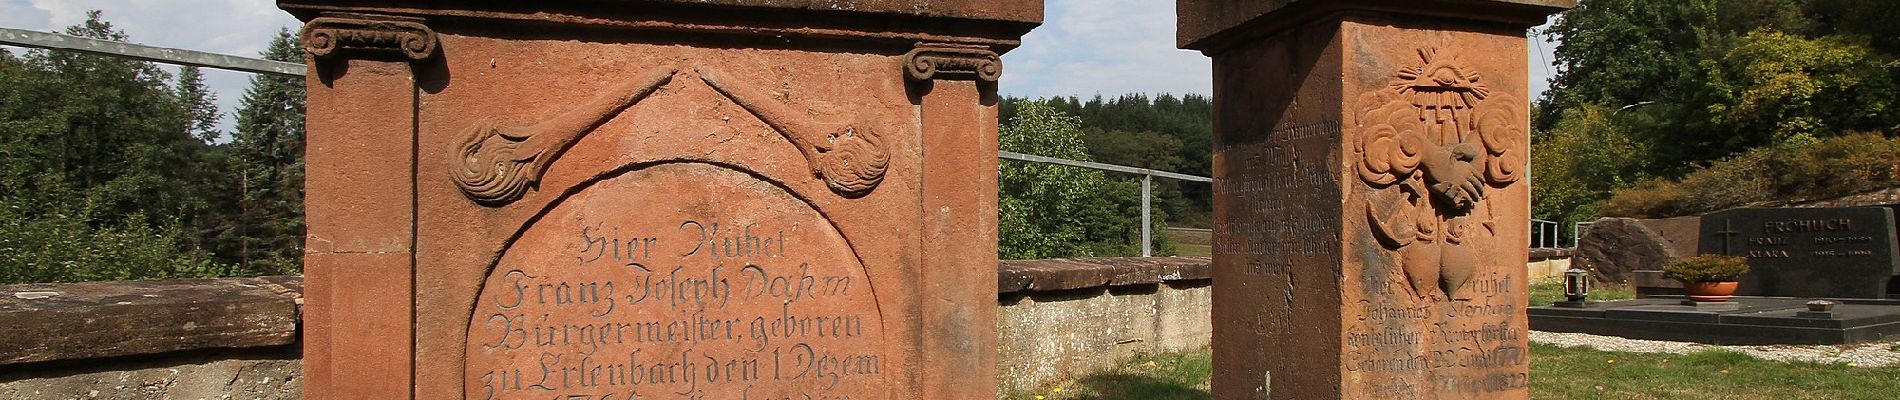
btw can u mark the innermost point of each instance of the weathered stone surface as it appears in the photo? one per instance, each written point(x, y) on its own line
point(897, 24)
point(1090, 273)
point(1538, 254)
point(46, 322)
point(1000, 10)
point(1209, 24)
point(787, 202)
point(1682, 234)
point(263, 374)
point(1808, 252)
point(1369, 201)
point(1615, 247)
point(1045, 336)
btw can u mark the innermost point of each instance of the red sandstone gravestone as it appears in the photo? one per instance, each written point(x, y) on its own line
point(1371, 195)
point(730, 199)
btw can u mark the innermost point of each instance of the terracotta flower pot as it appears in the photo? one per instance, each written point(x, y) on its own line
point(1710, 291)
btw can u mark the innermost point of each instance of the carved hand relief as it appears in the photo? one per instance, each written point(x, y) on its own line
point(849, 155)
point(499, 161)
point(1430, 146)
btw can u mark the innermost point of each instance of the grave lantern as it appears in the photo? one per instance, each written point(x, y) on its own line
point(1576, 284)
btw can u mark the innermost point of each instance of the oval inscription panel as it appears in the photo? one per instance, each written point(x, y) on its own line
point(677, 281)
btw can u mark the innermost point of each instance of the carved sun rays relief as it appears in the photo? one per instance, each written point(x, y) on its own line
point(1430, 145)
point(500, 161)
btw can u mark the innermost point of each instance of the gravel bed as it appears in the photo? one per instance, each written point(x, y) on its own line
point(1870, 354)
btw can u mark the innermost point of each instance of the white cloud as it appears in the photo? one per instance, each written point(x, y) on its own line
point(1108, 47)
point(20, 15)
point(236, 27)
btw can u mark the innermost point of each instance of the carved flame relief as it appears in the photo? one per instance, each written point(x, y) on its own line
point(849, 155)
point(1430, 145)
point(499, 160)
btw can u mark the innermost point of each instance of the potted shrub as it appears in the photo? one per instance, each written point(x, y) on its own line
point(1707, 277)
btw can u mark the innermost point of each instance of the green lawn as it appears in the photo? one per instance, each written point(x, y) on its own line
point(1171, 376)
point(1544, 292)
point(1556, 373)
point(1190, 243)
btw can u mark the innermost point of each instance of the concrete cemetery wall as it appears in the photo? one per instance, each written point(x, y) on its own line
point(1068, 317)
point(237, 338)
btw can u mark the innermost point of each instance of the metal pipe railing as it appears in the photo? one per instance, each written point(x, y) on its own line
point(55, 41)
point(1147, 186)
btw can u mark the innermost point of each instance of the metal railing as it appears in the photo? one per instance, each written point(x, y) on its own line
point(1545, 233)
point(55, 41)
point(1577, 230)
point(1147, 186)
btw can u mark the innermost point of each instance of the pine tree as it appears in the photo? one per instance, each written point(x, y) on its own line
point(268, 156)
point(200, 102)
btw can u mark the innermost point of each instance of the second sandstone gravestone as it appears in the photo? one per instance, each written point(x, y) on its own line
point(1808, 252)
point(725, 199)
point(1370, 196)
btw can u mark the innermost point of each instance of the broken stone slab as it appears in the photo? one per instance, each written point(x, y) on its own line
point(1086, 273)
point(69, 321)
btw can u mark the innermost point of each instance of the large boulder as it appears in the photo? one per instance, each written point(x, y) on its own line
point(1614, 247)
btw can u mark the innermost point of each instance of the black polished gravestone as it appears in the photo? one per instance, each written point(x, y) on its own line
point(1808, 252)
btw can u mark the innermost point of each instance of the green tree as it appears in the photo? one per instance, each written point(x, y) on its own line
point(1055, 211)
point(1163, 132)
point(268, 158)
point(98, 152)
point(200, 102)
point(1693, 82)
point(1775, 86)
point(1617, 52)
point(1577, 164)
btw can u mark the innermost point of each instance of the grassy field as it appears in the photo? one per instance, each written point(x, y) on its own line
point(1171, 376)
point(1190, 243)
point(1556, 373)
point(1548, 291)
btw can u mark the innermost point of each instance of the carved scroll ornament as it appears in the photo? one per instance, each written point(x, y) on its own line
point(329, 36)
point(1430, 145)
point(499, 161)
point(848, 155)
point(930, 61)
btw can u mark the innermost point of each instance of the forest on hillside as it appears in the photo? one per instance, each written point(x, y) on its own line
point(114, 169)
point(1674, 107)
point(1054, 211)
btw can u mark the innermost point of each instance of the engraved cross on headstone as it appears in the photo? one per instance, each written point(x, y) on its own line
point(1728, 233)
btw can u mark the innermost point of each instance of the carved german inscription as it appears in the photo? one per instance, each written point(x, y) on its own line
point(678, 281)
point(1472, 347)
point(1808, 252)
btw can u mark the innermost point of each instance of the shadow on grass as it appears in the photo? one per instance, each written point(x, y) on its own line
point(1118, 386)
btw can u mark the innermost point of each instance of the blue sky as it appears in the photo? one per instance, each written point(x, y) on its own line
point(1084, 47)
